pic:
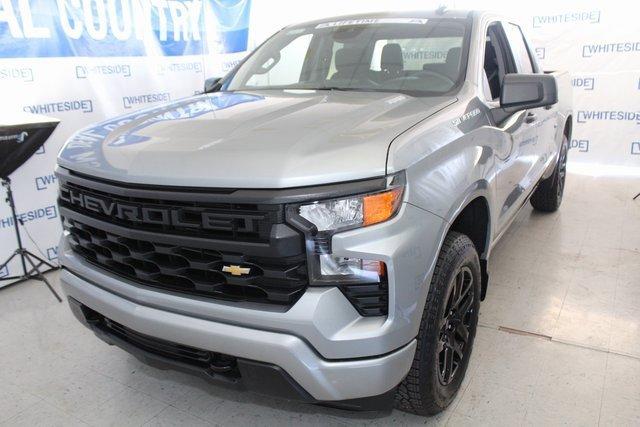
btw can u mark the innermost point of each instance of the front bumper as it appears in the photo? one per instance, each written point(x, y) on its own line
point(321, 342)
point(322, 317)
point(321, 379)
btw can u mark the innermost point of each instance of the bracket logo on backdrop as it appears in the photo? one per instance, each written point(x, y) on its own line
point(581, 145)
point(52, 253)
point(16, 74)
point(57, 107)
point(195, 67)
point(578, 17)
point(43, 182)
point(88, 71)
point(620, 48)
point(49, 212)
point(103, 28)
point(585, 116)
point(136, 101)
point(583, 83)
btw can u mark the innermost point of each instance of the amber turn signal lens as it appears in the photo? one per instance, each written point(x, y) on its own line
point(381, 206)
point(377, 266)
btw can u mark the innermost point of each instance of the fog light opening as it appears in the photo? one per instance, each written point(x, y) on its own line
point(353, 268)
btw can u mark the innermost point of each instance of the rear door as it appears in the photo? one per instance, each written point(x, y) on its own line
point(540, 118)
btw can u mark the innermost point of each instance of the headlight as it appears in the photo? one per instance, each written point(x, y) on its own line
point(322, 219)
point(352, 212)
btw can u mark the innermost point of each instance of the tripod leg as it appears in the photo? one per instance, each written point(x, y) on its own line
point(46, 282)
point(39, 276)
point(37, 266)
point(42, 261)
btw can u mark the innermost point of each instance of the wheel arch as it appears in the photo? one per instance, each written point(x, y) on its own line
point(473, 219)
point(568, 127)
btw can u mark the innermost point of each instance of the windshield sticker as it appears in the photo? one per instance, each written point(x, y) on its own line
point(296, 31)
point(371, 21)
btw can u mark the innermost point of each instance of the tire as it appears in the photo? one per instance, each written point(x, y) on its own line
point(427, 390)
point(548, 195)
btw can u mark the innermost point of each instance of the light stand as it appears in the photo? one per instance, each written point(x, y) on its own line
point(26, 257)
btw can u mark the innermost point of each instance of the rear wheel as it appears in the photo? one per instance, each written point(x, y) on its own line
point(447, 330)
point(548, 195)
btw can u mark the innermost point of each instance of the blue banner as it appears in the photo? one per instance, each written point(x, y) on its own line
point(105, 28)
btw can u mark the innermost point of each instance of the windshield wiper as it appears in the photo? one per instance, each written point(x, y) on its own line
point(344, 89)
point(351, 89)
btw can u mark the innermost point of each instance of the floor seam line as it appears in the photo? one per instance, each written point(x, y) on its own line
point(604, 386)
point(543, 337)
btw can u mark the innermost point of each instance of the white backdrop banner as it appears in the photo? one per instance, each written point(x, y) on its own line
point(83, 61)
point(599, 43)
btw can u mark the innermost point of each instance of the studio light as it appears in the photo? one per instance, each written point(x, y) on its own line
point(20, 137)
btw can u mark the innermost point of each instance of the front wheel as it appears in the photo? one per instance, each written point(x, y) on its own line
point(548, 195)
point(447, 330)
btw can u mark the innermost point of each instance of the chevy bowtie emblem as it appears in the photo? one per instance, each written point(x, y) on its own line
point(236, 270)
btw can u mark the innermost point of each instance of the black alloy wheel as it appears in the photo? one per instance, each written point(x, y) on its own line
point(548, 195)
point(447, 330)
point(562, 172)
point(455, 326)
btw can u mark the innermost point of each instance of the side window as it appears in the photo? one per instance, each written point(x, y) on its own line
point(332, 66)
point(496, 62)
point(519, 49)
point(286, 68)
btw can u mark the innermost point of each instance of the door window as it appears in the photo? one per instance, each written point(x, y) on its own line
point(519, 49)
point(497, 62)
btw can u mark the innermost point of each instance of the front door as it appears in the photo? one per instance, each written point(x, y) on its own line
point(519, 154)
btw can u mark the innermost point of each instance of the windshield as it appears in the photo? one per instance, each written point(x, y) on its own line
point(414, 55)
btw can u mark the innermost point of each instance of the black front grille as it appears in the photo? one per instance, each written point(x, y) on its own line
point(190, 270)
point(195, 243)
point(226, 244)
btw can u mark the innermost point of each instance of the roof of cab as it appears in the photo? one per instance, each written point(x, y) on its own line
point(421, 14)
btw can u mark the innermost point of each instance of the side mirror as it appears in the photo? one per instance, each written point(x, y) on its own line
point(211, 84)
point(524, 91)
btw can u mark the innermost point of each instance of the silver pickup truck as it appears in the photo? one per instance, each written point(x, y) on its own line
point(317, 225)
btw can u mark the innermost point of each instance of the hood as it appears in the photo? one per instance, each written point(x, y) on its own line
point(267, 139)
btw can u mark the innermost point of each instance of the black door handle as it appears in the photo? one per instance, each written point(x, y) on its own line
point(531, 117)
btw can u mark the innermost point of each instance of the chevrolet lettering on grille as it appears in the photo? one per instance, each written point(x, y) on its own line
point(158, 215)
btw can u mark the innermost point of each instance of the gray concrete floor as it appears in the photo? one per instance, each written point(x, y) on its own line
point(570, 279)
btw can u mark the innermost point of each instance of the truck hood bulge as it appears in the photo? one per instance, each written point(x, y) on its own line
point(261, 139)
